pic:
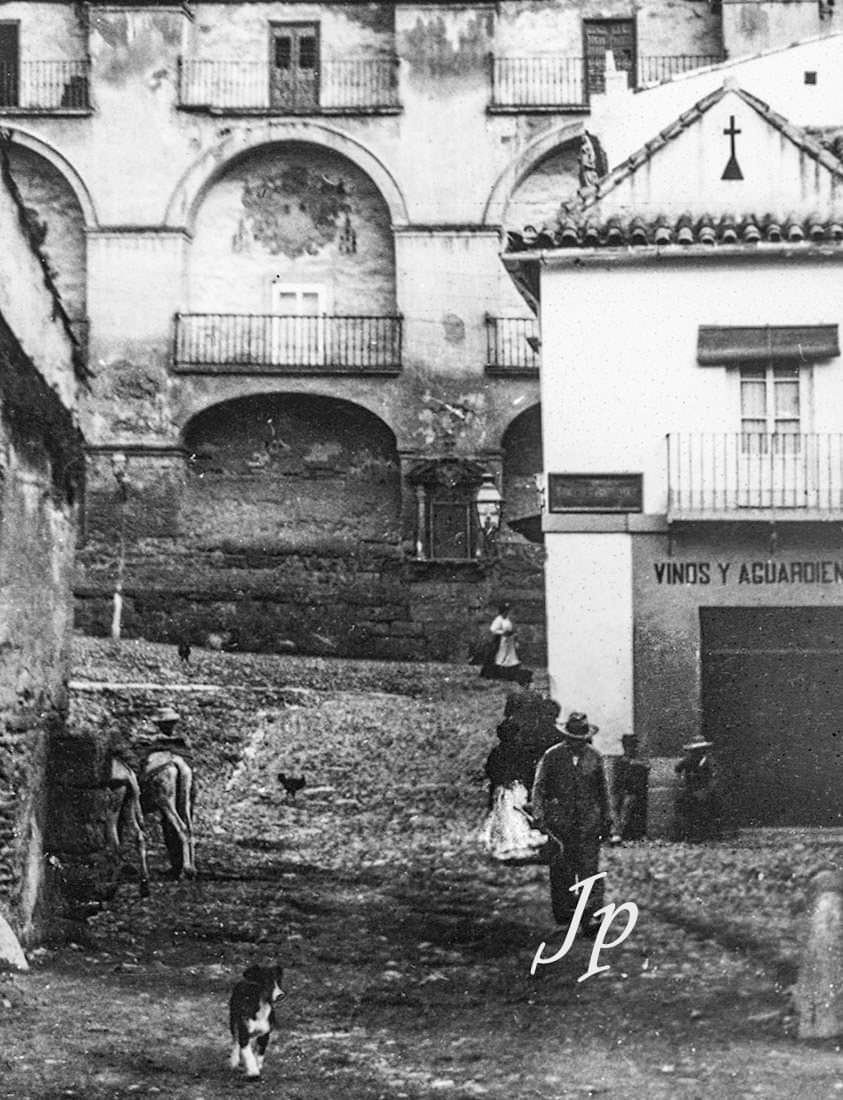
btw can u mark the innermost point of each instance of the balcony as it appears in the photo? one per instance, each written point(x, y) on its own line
point(45, 87)
point(351, 86)
point(236, 343)
point(538, 83)
point(748, 476)
point(566, 83)
point(512, 345)
point(652, 70)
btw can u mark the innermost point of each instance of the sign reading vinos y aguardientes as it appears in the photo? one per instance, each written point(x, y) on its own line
point(748, 572)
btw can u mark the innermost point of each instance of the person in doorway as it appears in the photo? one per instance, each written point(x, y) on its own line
point(630, 791)
point(697, 803)
point(570, 802)
point(502, 661)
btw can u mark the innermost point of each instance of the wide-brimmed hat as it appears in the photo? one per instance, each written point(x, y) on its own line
point(700, 744)
point(577, 727)
point(629, 737)
point(165, 714)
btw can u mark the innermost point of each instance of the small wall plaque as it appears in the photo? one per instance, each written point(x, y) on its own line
point(595, 492)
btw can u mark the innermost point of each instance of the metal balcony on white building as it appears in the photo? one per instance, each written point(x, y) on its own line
point(753, 476)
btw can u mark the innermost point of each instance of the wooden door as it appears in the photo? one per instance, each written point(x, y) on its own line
point(772, 698)
point(294, 67)
point(9, 65)
point(604, 35)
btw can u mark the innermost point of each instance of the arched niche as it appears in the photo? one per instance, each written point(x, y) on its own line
point(285, 471)
point(59, 221)
point(189, 193)
point(522, 461)
point(552, 180)
point(292, 215)
point(523, 164)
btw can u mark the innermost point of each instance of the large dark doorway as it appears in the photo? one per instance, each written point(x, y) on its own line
point(772, 697)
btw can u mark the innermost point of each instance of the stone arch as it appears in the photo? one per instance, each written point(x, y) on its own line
point(187, 198)
point(59, 221)
point(63, 166)
point(521, 166)
point(290, 227)
point(287, 472)
point(522, 459)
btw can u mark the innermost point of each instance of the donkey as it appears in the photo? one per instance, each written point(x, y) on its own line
point(167, 788)
point(124, 815)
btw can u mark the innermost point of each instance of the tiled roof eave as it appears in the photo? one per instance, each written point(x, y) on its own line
point(630, 255)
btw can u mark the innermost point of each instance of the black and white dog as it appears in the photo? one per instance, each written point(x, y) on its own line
point(252, 1016)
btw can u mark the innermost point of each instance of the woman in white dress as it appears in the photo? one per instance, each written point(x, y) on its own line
point(502, 661)
point(510, 766)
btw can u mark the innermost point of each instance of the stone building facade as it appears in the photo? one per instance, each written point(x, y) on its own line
point(41, 477)
point(277, 227)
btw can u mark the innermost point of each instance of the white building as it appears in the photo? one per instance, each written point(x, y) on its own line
point(692, 398)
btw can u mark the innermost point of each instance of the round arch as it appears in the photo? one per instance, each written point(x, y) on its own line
point(523, 164)
point(37, 145)
point(190, 190)
point(292, 470)
point(195, 401)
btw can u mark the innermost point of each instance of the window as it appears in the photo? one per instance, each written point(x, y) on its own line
point(776, 462)
point(294, 66)
point(298, 324)
point(9, 65)
point(771, 406)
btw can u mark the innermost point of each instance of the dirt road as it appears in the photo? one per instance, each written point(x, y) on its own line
point(407, 953)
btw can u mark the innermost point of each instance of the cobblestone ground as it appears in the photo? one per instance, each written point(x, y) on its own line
point(407, 952)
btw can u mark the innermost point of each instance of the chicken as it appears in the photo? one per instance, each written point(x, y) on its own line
point(291, 783)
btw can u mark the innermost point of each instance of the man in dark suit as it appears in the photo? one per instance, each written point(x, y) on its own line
point(570, 802)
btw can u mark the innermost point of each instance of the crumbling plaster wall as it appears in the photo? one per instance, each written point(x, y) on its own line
point(662, 27)
point(751, 26)
point(300, 214)
point(229, 32)
point(49, 32)
point(41, 473)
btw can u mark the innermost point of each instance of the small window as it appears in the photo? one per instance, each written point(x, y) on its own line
point(283, 51)
point(810, 78)
point(307, 52)
point(771, 408)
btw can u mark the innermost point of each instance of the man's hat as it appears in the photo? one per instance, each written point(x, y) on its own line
point(697, 745)
point(577, 727)
point(629, 737)
point(165, 714)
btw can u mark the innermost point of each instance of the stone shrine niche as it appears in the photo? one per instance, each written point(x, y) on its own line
point(553, 180)
point(57, 217)
point(301, 215)
point(522, 462)
point(281, 472)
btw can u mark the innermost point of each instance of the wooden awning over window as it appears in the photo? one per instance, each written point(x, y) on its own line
point(719, 346)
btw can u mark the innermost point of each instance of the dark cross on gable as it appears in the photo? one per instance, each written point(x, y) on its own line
point(733, 169)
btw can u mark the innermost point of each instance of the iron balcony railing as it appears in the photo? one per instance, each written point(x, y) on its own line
point(737, 474)
point(560, 82)
point(538, 82)
point(345, 85)
point(651, 70)
point(55, 86)
point(274, 343)
point(512, 344)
